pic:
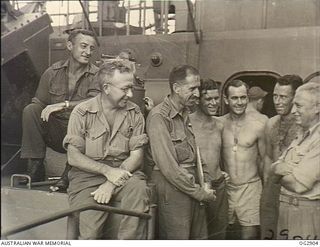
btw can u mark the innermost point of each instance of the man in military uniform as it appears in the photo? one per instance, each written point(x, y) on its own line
point(298, 170)
point(173, 149)
point(62, 86)
point(105, 142)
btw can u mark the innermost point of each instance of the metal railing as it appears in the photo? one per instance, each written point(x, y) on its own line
point(71, 212)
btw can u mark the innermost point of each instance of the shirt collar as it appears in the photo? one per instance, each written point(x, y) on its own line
point(91, 68)
point(96, 105)
point(314, 128)
point(303, 135)
point(173, 107)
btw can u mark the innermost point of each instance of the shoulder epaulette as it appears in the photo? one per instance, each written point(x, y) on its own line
point(81, 111)
point(57, 65)
point(165, 110)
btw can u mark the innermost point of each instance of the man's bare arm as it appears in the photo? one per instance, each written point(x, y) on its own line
point(292, 184)
point(58, 107)
point(134, 161)
point(268, 159)
point(77, 159)
point(261, 151)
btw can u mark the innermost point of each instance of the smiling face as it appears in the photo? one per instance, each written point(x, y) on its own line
point(119, 88)
point(209, 102)
point(237, 99)
point(305, 109)
point(188, 91)
point(282, 98)
point(81, 48)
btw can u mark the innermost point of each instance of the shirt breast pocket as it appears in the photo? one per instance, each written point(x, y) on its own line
point(182, 148)
point(95, 143)
point(57, 95)
point(297, 155)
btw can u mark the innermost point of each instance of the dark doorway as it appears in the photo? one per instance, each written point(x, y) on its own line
point(264, 80)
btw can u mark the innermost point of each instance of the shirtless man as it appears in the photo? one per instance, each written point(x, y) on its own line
point(243, 141)
point(208, 134)
point(280, 131)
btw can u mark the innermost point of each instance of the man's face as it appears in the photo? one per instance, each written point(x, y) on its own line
point(119, 88)
point(237, 99)
point(304, 109)
point(209, 102)
point(82, 48)
point(282, 98)
point(188, 91)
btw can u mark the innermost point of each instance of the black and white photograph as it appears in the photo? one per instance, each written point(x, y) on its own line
point(160, 120)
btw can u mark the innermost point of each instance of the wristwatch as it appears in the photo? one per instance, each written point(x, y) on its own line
point(66, 104)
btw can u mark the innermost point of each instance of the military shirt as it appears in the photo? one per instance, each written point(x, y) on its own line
point(303, 155)
point(172, 145)
point(89, 131)
point(53, 86)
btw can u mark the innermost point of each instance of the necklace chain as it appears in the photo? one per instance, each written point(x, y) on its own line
point(235, 133)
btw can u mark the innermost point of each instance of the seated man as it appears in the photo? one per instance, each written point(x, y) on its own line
point(62, 86)
point(105, 142)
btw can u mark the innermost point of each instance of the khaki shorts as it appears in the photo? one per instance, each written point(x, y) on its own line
point(244, 202)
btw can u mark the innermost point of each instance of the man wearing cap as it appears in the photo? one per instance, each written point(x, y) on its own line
point(280, 131)
point(256, 99)
point(298, 170)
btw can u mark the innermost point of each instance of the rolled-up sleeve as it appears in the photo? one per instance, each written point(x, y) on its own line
point(164, 155)
point(76, 134)
point(138, 138)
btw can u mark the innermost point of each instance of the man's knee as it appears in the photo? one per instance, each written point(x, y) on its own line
point(32, 110)
point(141, 189)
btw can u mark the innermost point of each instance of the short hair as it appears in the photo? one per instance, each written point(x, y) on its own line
point(208, 84)
point(108, 68)
point(179, 73)
point(313, 88)
point(74, 33)
point(294, 81)
point(235, 83)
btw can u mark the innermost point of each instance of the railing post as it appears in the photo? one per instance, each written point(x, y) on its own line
point(73, 226)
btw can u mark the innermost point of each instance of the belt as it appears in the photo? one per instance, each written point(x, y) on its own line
point(113, 162)
point(183, 165)
point(296, 201)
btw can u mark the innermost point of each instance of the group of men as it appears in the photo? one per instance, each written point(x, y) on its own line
point(210, 173)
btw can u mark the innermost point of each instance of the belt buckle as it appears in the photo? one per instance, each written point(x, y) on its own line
point(294, 201)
